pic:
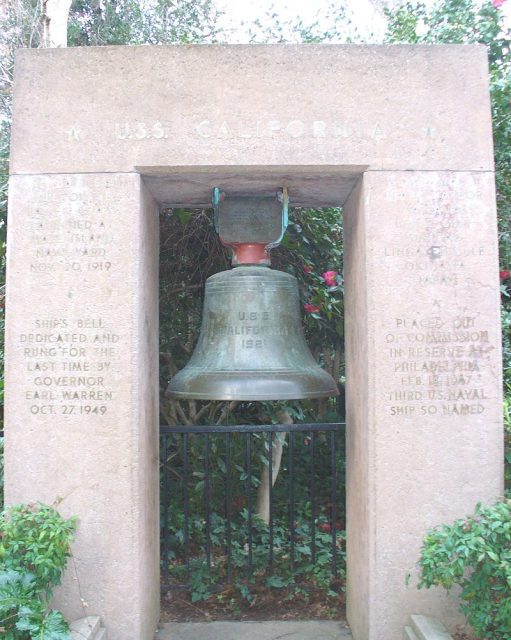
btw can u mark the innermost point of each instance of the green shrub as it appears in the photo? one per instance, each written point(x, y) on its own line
point(475, 553)
point(303, 571)
point(34, 549)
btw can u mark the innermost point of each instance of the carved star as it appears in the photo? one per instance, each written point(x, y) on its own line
point(73, 133)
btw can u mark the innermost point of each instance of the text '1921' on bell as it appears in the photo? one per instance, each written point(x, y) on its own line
point(251, 344)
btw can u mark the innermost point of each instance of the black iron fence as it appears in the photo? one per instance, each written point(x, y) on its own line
point(219, 528)
point(251, 502)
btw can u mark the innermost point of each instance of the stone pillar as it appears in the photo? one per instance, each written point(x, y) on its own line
point(424, 441)
point(82, 383)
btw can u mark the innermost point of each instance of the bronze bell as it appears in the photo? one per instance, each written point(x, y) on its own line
point(251, 344)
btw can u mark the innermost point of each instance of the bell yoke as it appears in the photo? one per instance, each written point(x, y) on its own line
point(251, 344)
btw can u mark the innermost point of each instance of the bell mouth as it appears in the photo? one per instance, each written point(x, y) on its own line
point(252, 386)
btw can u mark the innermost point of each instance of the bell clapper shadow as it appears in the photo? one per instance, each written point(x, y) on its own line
point(251, 344)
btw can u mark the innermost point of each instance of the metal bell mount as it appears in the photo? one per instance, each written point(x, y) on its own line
point(251, 344)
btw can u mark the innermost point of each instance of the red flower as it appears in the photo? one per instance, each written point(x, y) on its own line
point(330, 278)
point(307, 268)
point(326, 527)
point(498, 3)
point(311, 308)
point(504, 275)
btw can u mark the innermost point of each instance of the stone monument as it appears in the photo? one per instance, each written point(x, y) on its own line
point(401, 136)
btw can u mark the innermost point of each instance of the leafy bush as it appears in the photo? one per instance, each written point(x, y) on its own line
point(475, 553)
point(34, 549)
point(305, 571)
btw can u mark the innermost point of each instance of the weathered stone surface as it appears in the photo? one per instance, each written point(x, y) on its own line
point(428, 628)
point(81, 379)
point(305, 630)
point(156, 108)
point(85, 628)
point(88, 628)
point(424, 441)
point(102, 134)
point(409, 634)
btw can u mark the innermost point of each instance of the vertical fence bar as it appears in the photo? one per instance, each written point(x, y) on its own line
point(249, 499)
point(333, 513)
point(165, 514)
point(270, 500)
point(228, 506)
point(207, 494)
point(186, 504)
point(291, 500)
point(313, 497)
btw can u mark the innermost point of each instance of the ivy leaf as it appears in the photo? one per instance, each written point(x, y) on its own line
point(29, 620)
point(275, 582)
point(54, 627)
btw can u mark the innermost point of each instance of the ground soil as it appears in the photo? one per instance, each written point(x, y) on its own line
point(268, 604)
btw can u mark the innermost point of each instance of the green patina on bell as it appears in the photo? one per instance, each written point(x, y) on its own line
point(251, 344)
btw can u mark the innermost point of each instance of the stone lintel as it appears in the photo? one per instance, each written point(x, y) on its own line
point(104, 109)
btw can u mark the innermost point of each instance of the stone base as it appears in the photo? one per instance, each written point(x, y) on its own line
point(88, 628)
point(410, 634)
point(426, 628)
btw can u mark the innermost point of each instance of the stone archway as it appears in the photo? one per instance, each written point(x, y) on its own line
point(402, 136)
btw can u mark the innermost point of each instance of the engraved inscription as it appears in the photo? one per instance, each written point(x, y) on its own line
point(439, 265)
point(288, 129)
point(71, 352)
point(296, 129)
point(252, 326)
point(142, 130)
point(253, 129)
point(437, 366)
point(439, 352)
point(69, 369)
point(73, 241)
